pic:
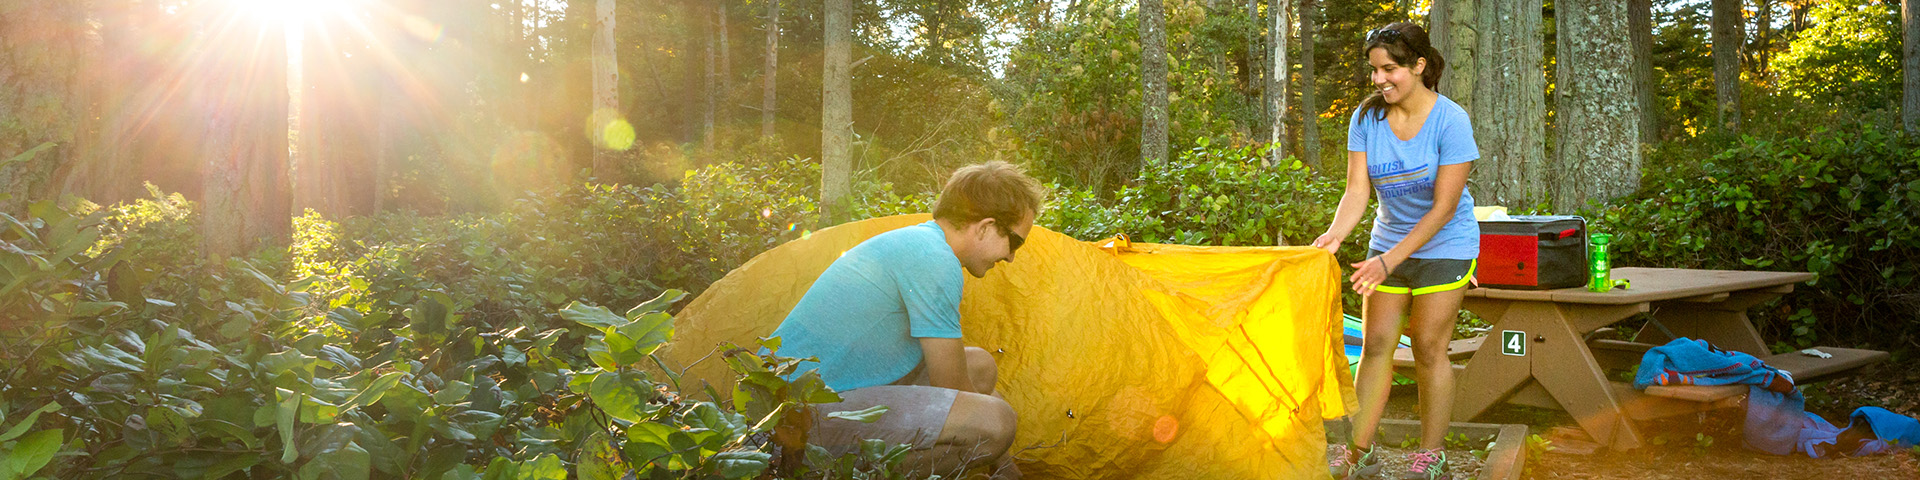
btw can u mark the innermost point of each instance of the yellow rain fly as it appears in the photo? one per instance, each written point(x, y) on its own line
point(1123, 360)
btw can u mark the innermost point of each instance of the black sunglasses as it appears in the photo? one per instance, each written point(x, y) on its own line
point(1383, 35)
point(1014, 240)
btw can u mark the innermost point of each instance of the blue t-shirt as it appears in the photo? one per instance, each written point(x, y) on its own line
point(864, 316)
point(1403, 173)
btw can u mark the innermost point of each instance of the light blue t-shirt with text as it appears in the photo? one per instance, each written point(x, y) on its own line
point(1403, 173)
point(864, 316)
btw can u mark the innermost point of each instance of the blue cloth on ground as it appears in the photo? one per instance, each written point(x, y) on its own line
point(1895, 431)
point(1778, 423)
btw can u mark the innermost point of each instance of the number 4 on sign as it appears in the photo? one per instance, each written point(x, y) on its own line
point(1513, 342)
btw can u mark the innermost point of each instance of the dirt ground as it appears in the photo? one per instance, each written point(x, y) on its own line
point(1709, 446)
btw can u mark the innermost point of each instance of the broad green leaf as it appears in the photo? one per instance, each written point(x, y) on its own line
point(373, 392)
point(649, 332)
point(90, 309)
point(546, 467)
point(513, 356)
point(314, 410)
point(232, 463)
point(243, 435)
point(455, 392)
point(591, 315)
point(462, 472)
point(648, 442)
point(289, 360)
point(657, 304)
point(601, 354)
point(622, 397)
point(502, 468)
point(33, 451)
point(24, 156)
point(599, 460)
point(866, 415)
point(350, 462)
point(771, 343)
point(740, 464)
point(477, 422)
point(26, 423)
point(283, 418)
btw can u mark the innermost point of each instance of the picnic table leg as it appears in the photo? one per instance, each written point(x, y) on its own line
point(1563, 365)
point(1490, 377)
point(1725, 325)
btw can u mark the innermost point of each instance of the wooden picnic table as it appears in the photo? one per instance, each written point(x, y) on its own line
point(1537, 351)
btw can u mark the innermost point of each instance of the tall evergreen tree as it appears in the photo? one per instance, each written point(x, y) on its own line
point(1153, 78)
point(1598, 154)
point(1729, 32)
point(240, 87)
point(1309, 105)
point(1910, 67)
point(1509, 105)
point(770, 73)
point(1640, 30)
point(606, 90)
point(836, 112)
point(1276, 103)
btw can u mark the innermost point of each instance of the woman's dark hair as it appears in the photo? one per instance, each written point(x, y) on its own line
point(1406, 43)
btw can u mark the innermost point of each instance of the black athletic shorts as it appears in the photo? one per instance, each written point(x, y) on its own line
point(1420, 276)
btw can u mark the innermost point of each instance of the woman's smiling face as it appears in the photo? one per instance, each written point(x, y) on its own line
point(1393, 80)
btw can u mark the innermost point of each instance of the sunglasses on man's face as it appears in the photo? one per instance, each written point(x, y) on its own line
point(1014, 240)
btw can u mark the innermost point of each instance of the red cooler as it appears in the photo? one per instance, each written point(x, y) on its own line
point(1533, 252)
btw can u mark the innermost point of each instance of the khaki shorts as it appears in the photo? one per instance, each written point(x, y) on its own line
point(915, 416)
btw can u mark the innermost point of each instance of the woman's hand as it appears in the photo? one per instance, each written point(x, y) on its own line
point(1328, 242)
point(1369, 273)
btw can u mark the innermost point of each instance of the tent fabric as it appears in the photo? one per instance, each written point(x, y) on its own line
point(1122, 360)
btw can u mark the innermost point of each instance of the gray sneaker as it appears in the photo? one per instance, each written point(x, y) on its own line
point(1352, 463)
point(1427, 465)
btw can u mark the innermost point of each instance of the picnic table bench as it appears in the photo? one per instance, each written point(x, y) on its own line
point(1541, 349)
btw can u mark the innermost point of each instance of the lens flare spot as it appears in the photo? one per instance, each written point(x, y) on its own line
point(1165, 429)
point(422, 28)
point(766, 213)
point(609, 130)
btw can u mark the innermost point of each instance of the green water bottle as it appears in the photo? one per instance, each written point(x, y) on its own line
point(1599, 272)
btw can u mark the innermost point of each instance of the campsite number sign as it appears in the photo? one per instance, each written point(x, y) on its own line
point(1513, 342)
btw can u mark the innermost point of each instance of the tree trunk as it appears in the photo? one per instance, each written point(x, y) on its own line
point(726, 66)
point(836, 113)
point(1256, 63)
point(1640, 30)
point(1309, 106)
point(1277, 81)
point(242, 89)
point(710, 87)
point(41, 101)
point(1510, 105)
point(1153, 83)
point(1763, 20)
point(1454, 34)
point(606, 94)
point(1599, 119)
point(771, 73)
point(1910, 67)
point(1728, 34)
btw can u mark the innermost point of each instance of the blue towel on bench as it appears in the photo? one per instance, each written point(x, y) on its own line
point(1685, 361)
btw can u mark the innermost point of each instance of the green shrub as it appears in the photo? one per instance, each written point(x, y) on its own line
point(1209, 195)
point(1839, 204)
point(393, 378)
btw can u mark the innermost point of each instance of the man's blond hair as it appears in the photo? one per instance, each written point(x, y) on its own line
point(998, 190)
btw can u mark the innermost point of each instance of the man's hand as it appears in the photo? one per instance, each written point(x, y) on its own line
point(946, 360)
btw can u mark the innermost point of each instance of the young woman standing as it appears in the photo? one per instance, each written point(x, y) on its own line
point(1415, 147)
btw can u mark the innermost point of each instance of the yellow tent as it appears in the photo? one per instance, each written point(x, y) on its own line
point(1122, 360)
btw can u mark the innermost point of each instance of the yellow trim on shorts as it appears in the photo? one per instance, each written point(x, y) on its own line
point(1472, 265)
